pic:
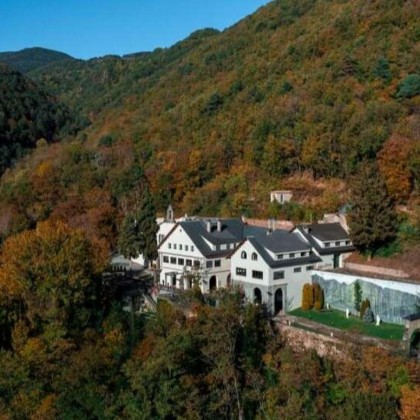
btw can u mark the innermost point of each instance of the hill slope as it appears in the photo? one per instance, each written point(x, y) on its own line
point(220, 118)
point(27, 114)
point(30, 59)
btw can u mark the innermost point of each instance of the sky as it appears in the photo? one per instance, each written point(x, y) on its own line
point(93, 28)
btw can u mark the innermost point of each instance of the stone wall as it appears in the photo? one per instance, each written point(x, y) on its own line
point(391, 300)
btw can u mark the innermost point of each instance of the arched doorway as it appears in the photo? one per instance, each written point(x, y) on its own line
point(278, 301)
point(415, 344)
point(228, 281)
point(257, 296)
point(213, 283)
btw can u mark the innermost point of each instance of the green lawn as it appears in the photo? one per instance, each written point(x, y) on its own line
point(337, 319)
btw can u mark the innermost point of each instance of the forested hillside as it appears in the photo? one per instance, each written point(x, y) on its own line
point(32, 58)
point(28, 114)
point(297, 95)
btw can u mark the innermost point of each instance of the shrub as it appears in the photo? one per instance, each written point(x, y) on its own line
point(365, 304)
point(368, 317)
point(357, 295)
point(409, 87)
point(307, 297)
point(318, 297)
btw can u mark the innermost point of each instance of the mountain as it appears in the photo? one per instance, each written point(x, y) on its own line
point(27, 114)
point(296, 96)
point(30, 59)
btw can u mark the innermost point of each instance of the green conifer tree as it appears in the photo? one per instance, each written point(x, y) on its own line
point(139, 229)
point(373, 220)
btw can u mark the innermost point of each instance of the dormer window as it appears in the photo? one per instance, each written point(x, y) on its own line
point(337, 243)
point(292, 255)
point(254, 256)
point(347, 242)
point(327, 245)
point(279, 256)
point(243, 255)
point(303, 254)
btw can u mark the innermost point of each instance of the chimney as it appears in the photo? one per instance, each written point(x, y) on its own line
point(273, 225)
point(208, 226)
point(219, 225)
point(269, 226)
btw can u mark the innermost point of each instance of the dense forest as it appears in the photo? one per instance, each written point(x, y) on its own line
point(68, 351)
point(27, 115)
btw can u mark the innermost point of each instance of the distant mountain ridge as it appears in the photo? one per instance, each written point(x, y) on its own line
point(30, 59)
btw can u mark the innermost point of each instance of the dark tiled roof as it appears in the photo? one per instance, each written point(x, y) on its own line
point(326, 232)
point(232, 231)
point(282, 242)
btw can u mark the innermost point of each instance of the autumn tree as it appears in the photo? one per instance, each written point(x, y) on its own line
point(372, 219)
point(307, 297)
point(47, 279)
point(393, 163)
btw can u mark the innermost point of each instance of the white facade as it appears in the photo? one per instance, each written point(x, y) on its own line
point(279, 288)
point(179, 256)
point(281, 196)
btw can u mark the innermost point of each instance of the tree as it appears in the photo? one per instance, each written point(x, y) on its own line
point(372, 218)
point(409, 87)
point(47, 280)
point(307, 297)
point(357, 295)
point(365, 304)
point(139, 230)
point(318, 297)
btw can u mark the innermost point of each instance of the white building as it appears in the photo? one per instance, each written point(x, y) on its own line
point(200, 247)
point(272, 269)
point(282, 196)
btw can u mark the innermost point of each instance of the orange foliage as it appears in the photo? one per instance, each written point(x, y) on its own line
point(410, 403)
point(393, 162)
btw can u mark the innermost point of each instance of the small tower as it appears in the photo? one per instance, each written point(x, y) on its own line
point(170, 214)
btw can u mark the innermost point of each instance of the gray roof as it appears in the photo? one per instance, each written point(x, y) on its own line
point(283, 242)
point(232, 231)
point(326, 232)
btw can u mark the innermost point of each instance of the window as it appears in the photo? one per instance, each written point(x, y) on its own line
point(186, 247)
point(337, 243)
point(223, 247)
point(309, 267)
point(209, 264)
point(180, 261)
point(302, 254)
point(278, 275)
point(292, 255)
point(173, 260)
point(217, 263)
point(169, 245)
point(254, 256)
point(347, 242)
point(196, 264)
point(279, 256)
point(192, 248)
point(327, 244)
point(257, 274)
point(297, 270)
point(188, 263)
point(165, 259)
point(240, 271)
point(180, 247)
point(243, 255)
point(174, 246)
point(161, 238)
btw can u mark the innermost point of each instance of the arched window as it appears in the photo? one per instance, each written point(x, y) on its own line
point(243, 255)
point(254, 256)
